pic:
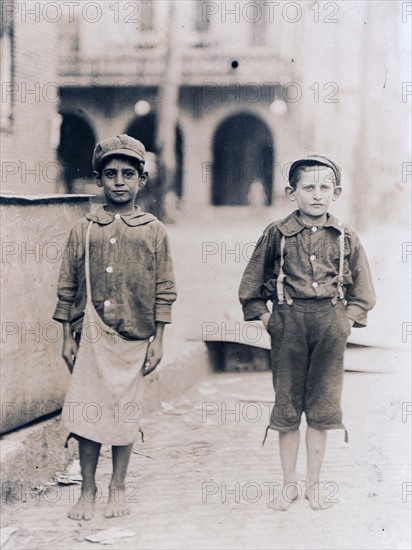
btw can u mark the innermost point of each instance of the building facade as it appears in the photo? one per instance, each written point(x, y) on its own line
point(258, 84)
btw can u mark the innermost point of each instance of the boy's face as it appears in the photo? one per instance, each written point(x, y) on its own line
point(120, 181)
point(314, 191)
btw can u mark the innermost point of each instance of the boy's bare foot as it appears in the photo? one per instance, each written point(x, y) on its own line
point(319, 498)
point(290, 493)
point(84, 507)
point(116, 505)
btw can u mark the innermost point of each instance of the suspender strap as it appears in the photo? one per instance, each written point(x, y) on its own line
point(341, 259)
point(281, 276)
point(87, 263)
point(280, 283)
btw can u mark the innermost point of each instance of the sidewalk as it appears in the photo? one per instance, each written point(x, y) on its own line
point(203, 480)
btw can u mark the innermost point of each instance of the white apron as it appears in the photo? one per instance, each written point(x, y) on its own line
point(105, 395)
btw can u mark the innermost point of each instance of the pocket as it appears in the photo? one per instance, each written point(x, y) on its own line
point(269, 325)
point(348, 325)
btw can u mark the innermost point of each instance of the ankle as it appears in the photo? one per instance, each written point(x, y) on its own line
point(89, 489)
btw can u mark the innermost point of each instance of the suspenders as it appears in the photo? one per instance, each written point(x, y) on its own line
point(280, 284)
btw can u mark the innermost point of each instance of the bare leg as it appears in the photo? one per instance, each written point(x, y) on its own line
point(315, 445)
point(289, 446)
point(89, 455)
point(116, 505)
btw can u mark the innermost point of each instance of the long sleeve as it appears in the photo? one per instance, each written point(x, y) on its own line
point(360, 295)
point(250, 290)
point(68, 279)
point(165, 279)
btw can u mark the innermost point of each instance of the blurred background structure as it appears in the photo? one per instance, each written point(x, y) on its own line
point(224, 94)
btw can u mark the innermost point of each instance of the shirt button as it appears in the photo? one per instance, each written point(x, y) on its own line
point(117, 216)
point(106, 303)
point(314, 229)
point(312, 258)
point(112, 240)
point(109, 269)
point(315, 285)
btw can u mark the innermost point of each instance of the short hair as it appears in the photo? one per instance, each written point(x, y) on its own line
point(138, 164)
point(306, 166)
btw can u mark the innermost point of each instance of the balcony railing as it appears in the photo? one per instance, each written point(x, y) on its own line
point(199, 66)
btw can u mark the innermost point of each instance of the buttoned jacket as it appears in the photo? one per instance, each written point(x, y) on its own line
point(131, 273)
point(311, 267)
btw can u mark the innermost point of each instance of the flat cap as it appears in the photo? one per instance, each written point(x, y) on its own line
point(119, 145)
point(319, 159)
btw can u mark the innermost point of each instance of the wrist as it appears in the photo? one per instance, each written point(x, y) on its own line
point(265, 317)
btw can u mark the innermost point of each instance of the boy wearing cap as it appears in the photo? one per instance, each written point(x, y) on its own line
point(316, 273)
point(116, 289)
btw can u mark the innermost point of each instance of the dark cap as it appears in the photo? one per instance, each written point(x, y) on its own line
point(319, 159)
point(120, 145)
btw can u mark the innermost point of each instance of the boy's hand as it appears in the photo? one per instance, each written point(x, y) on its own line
point(153, 356)
point(265, 319)
point(69, 352)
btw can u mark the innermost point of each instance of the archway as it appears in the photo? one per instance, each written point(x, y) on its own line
point(243, 157)
point(75, 151)
point(143, 128)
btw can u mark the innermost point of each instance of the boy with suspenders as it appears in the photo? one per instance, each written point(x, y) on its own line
point(316, 272)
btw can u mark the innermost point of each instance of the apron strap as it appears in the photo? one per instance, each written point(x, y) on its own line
point(87, 263)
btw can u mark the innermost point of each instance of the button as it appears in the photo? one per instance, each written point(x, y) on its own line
point(315, 285)
point(109, 269)
point(312, 258)
point(112, 240)
point(314, 229)
point(117, 216)
point(106, 303)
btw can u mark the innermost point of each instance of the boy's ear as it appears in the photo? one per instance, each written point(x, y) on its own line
point(337, 192)
point(97, 179)
point(143, 179)
point(290, 193)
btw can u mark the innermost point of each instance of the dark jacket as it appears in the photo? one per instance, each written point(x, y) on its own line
point(311, 266)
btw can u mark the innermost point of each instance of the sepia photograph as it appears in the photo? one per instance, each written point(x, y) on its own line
point(206, 251)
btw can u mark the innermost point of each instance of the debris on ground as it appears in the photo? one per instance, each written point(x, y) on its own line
point(108, 536)
point(72, 475)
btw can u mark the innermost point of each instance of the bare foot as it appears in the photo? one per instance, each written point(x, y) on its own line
point(84, 507)
point(320, 495)
point(290, 493)
point(116, 505)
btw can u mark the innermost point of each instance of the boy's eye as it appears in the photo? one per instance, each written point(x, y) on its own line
point(109, 174)
point(129, 174)
point(308, 187)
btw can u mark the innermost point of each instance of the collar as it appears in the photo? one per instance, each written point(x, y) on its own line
point(138, 217)
point(292, 224)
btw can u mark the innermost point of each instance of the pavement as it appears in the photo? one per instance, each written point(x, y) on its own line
point(202, 479)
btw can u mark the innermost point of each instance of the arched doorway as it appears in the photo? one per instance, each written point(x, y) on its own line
point(243, 157)
point(75, 151)
point(144, 129)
